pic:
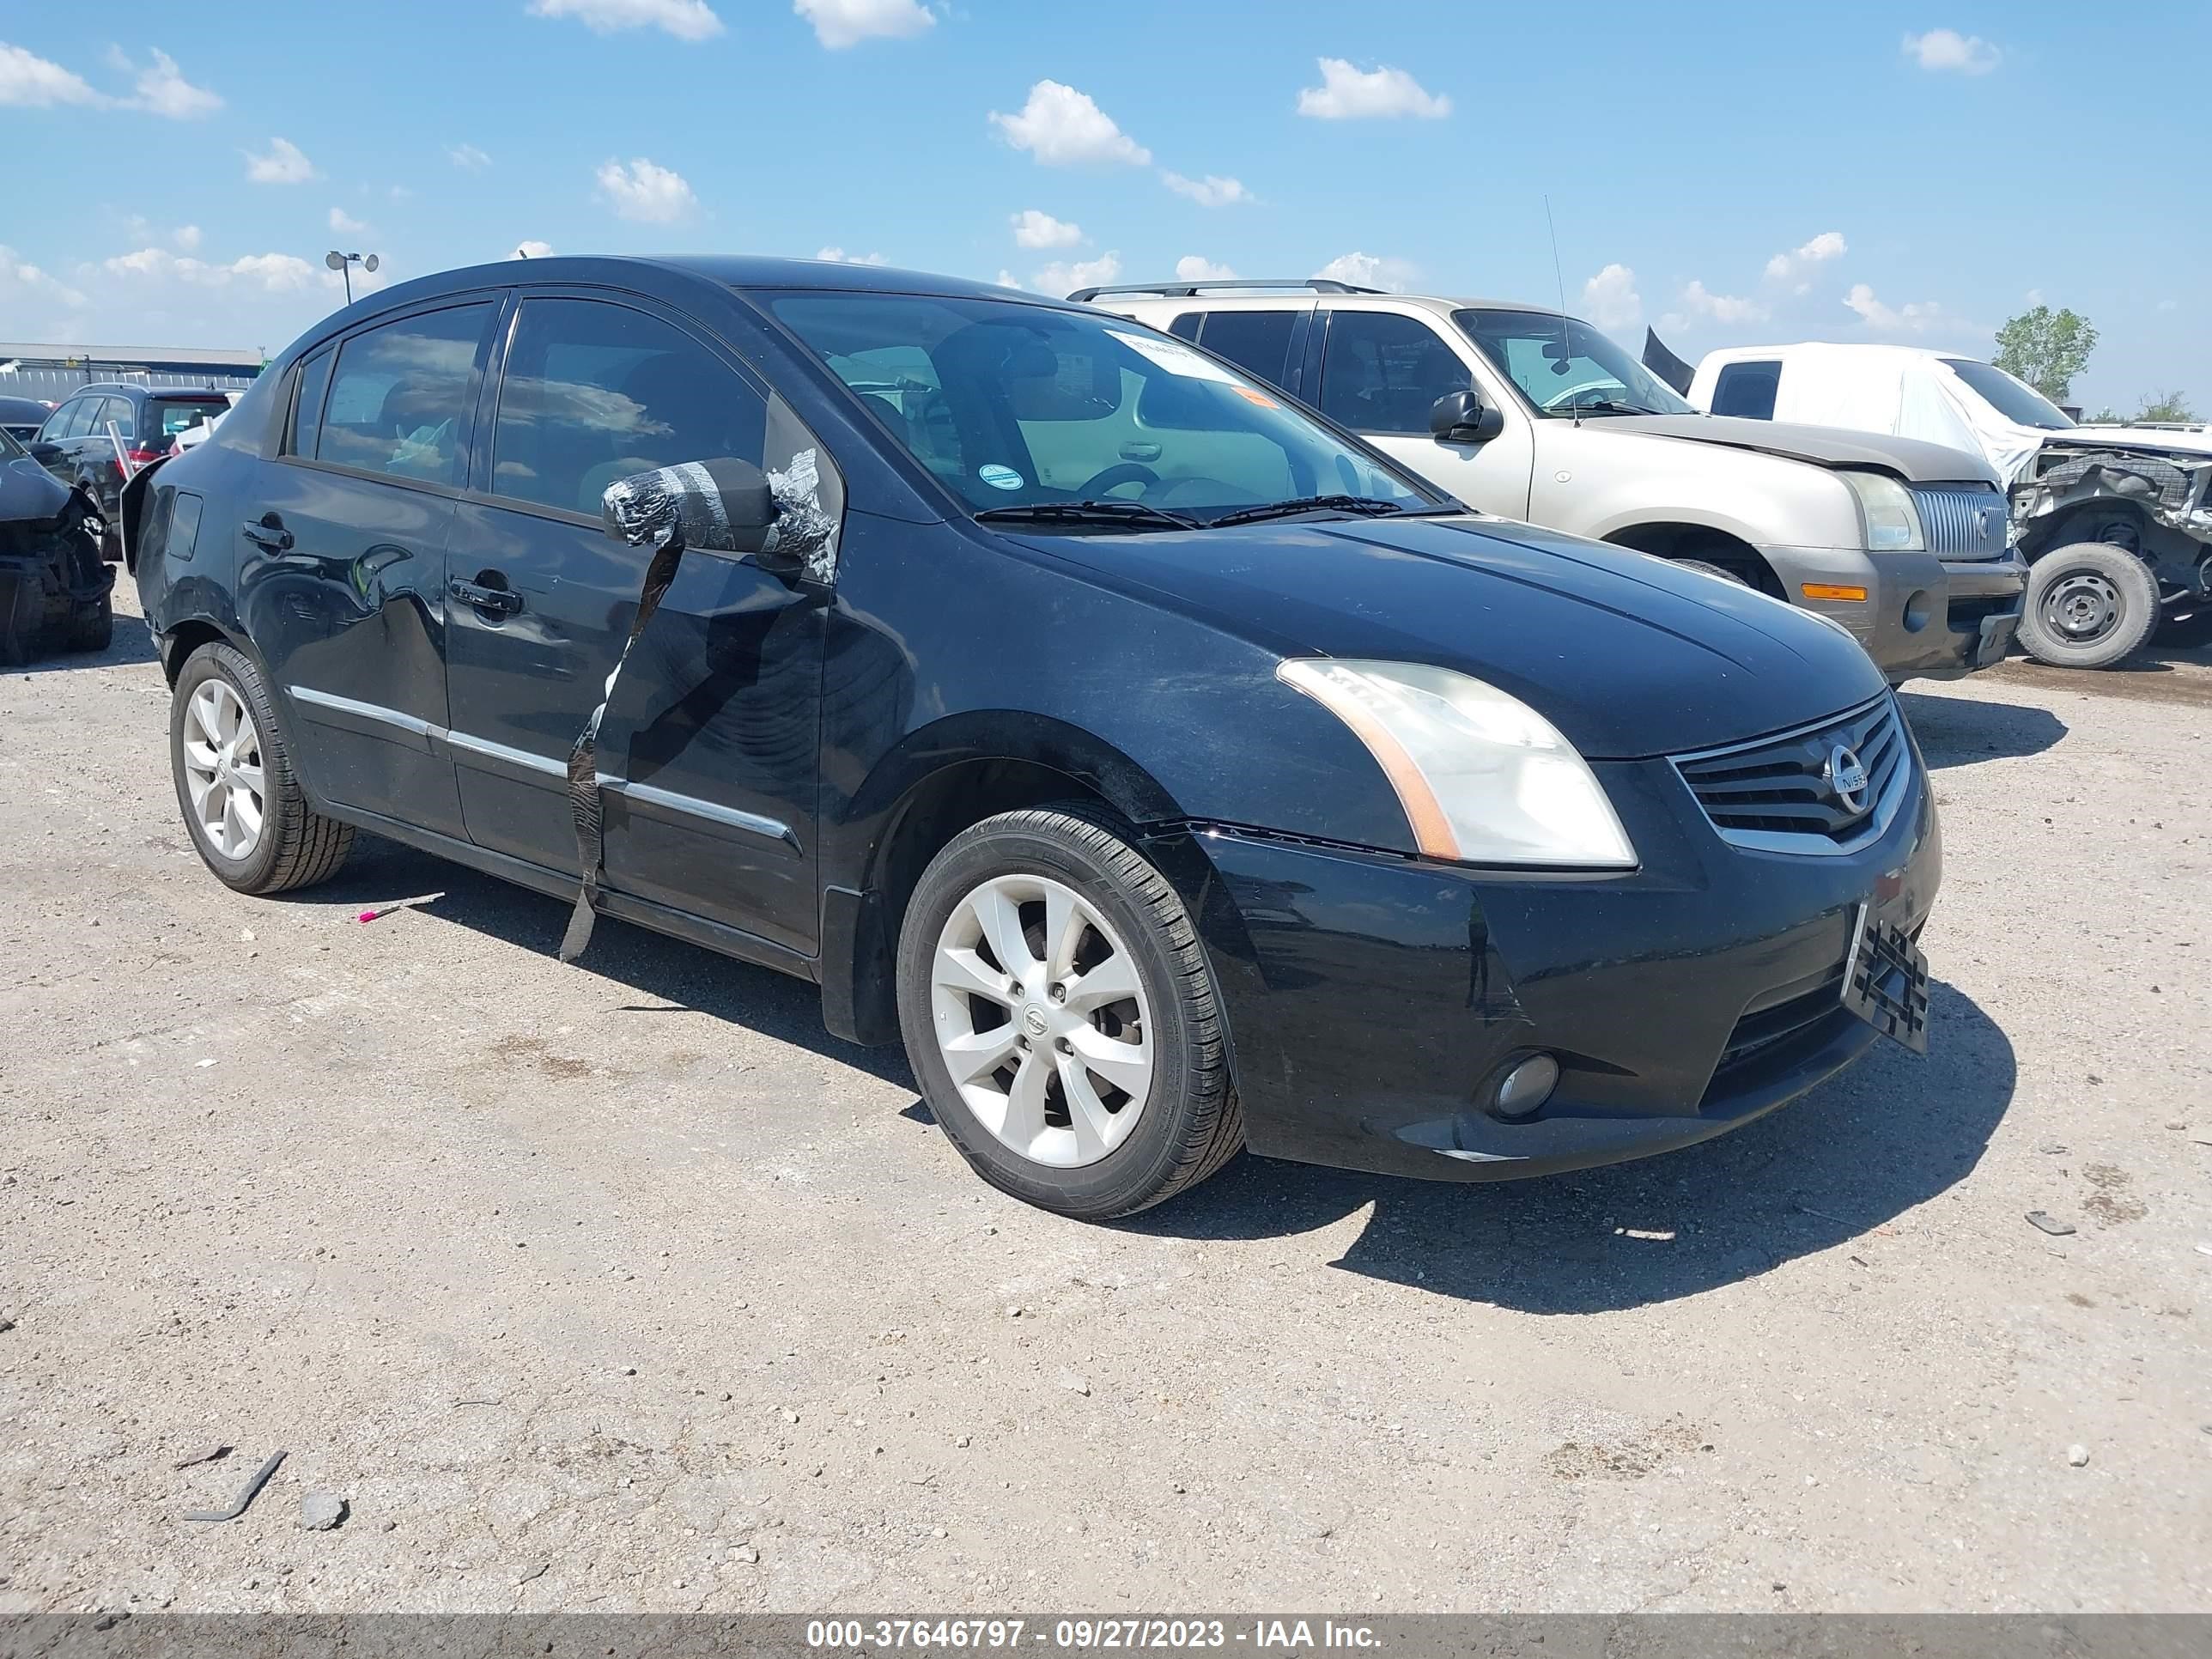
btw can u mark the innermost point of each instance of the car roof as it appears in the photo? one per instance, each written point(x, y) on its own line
point(729, 270)
point(1869, 349)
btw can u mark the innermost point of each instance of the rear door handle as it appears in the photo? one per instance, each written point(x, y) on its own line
point(499, 601)
point(268, 531)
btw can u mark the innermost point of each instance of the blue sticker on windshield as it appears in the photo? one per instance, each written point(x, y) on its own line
point(1000, 478)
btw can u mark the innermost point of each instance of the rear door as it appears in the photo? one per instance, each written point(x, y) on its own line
point(342, 555)
point(1381, 371)
point(707, 753)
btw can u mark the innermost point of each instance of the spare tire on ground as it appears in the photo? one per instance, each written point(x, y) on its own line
point(2090, 604)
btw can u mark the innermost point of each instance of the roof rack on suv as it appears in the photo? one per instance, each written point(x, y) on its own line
point(1187, 290)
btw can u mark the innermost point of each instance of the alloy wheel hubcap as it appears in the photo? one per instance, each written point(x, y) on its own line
point(1041, 1020)
point(2083, 606)
point(223, 769)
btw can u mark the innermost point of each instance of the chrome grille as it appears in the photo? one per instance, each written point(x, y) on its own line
point(1962, 521)
point(1777, 794)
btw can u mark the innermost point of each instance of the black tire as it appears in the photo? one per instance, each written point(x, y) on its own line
point(298, 846)
point(1704, 568)
point(2093, 578)
point(23, 617)
point(93, 627)
point(1192, 1123)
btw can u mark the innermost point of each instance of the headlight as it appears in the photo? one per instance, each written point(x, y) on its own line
point(1888, 511)
point(1484, 778)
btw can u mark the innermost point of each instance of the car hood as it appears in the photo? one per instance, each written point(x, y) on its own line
point(1626, 654)
point(1822, 446)
point(28, 493)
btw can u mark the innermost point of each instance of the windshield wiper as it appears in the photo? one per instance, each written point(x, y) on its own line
point(1365, 506)
point(1128, 514)
point(1608, 406)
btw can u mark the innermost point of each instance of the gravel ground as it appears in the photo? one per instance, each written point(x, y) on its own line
point(624, 1286)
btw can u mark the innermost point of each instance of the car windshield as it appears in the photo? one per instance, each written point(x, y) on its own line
point(1019, 406)
point(2021, 404)
point(1565, 367)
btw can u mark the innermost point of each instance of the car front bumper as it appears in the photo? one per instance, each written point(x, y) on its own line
point(1923, 617)
point(1371, 999)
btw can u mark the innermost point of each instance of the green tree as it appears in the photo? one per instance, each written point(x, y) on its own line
point(2166, 406)
point(2106, 416)
point(2046, 349)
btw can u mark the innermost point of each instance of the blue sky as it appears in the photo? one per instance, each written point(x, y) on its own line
point(1731, 172)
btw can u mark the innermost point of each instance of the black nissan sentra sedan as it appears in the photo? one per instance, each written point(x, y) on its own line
point(1169, 771)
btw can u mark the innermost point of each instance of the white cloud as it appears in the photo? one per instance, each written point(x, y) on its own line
point(1916, 318)
point(1368, 270)
point(186, 237)
point(467, 156)
point(1797, 263)
point(275, 273)
point(1062, 278)
point(282, 165)
point(1212, 191)
point(842, 23)
point(838, 256)
point(345, 224)
point(1948, 49)
point(1033, 228)
point(687, 20)
point(161, 88)
point(1197, 268)
point(30, 81)
point(653, 195)
point(1348, 93)
point(1610, 299)
point(531, 250)
point(32, 283)
point(1007, 279)
point(1062, 127)
point(1698, 300)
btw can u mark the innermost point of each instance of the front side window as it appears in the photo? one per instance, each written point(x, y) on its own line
point(2019, 403)
point(1565, 368)
point(1258, 342)
point(1383, 372)
point(1747, 390)
point(1011, 405)
point(400, 393)
point(592, 392)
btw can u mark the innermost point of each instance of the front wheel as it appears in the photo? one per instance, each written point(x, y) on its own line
point(1061, 1016)
point(2089, 604)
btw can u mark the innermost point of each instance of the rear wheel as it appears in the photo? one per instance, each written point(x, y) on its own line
point(23, 617)
point(242, 804)
point(92, 627)
point(1704, 569)
point(2089, 604)
point(1059, 1013)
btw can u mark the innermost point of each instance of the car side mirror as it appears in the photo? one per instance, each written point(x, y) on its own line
point(1462, 417)
point(722, 505)
point(44, 454)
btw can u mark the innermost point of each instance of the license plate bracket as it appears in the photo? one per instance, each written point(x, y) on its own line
point(1886, 981)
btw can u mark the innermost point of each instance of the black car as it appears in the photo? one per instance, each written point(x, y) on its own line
point(1168, 769)
point(56, 593)
point(21, 417)
point(74, 443)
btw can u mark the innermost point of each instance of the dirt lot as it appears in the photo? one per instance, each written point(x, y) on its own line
point(624, 1286)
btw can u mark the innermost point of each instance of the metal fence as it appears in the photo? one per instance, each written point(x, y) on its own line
point(52, 385)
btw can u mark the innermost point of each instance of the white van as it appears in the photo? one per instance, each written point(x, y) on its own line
point(2129, 508)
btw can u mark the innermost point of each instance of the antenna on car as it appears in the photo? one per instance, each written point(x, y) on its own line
point(1573, 405)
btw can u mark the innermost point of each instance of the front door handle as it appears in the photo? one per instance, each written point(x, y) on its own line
point(268, 533)
point(499, 601)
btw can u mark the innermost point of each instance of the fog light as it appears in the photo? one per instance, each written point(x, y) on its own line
point(1524, 1089)
point(1832, 591)
point(1918, 610)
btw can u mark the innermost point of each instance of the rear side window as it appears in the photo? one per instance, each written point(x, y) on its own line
point(119, 411)
point(399, 394)
point(1185, 327)
point(1381, 371)
point(592, 392)
point(308, 409)
point(1747, 390)
point(1257, 341)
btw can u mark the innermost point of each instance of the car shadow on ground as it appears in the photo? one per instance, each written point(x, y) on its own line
point(1958, 731)
point(1835, 1168)
point(131, 644)
point(667, 975)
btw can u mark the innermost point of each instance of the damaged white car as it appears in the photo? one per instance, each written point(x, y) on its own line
point(2116, 521)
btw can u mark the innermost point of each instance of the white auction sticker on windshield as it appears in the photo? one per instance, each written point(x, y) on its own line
point(1175, 357)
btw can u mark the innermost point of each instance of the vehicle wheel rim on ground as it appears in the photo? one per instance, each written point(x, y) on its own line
point(2081, 606)
point(223, 769)
point(1041, 1020)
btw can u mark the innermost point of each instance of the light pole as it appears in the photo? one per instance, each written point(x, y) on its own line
point(346, 262)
